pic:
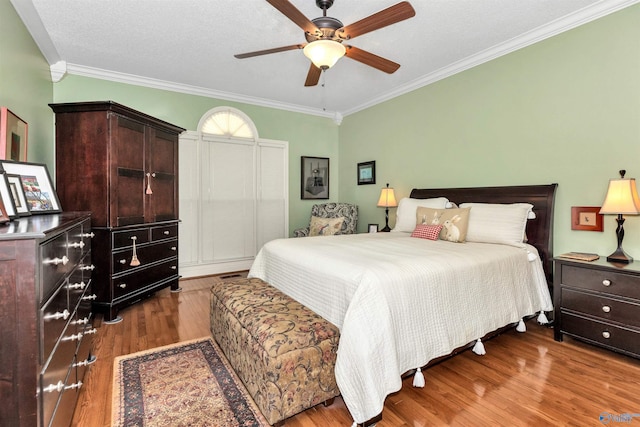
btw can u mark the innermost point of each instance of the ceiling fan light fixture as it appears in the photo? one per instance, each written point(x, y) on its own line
point(324, 53)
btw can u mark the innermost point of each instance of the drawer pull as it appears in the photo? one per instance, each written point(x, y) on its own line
point(90, 235)
point(91, 331)
point(606, 282)
point(76, 245)
point(75, 385)
point(80, 285)
point(123, 261)
point(122, 285)
point(134, 259)
point(57, 315)
point(87, 267)
point(89, 297)
point(606, 308)
point(165, 232)
point(64, 260)
point(606, 334)
point(85, 362)
point(80, 321)
point(173, 267)
point(173, 248)
point(54, 387)
point(74, 337)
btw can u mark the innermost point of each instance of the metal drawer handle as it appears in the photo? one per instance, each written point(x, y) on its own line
point(134, 258)
point(122, 285)
point(74, 337)
point(72, 386)
point(54, 387)
point(173, 248)
point(80, 285)
point(76, 245)
point(86, 362)
point(88, 297)
point(123, 261)
point(606, 334)
point(80, 321)
point(606, 308)
point(173, 267)
point(87, 234)
point(91, 331)
point(57, 315)
point(87, 267)
point(606, 282)
point(166, 232)
point(64, 260)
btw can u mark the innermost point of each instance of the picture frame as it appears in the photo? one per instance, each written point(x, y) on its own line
point(586, 218)
point(367, 173)
point(13, 136)
point(314, 178)
point(37, 185)
point(7, 200)
point(17, 192)
point(4, 218)
point(373, 228)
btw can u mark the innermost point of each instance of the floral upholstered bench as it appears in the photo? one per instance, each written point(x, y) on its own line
point(283, 352)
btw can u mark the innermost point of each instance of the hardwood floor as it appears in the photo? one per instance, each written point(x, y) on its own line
point(525, 379)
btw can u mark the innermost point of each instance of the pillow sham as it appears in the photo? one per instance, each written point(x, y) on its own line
point(454, 222)
point(406, 212)
point(427, 231)
point(498, 223)
point(325, 226)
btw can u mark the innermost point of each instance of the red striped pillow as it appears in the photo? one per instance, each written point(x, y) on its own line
point(427, 231)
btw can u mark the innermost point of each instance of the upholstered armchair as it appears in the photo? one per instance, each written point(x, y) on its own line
point(333, 210)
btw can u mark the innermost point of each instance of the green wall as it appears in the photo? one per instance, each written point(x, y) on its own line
point(25, 84)
point(565, 110)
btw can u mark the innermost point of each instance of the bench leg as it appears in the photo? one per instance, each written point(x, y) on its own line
point(279, 423)
point(329, 402)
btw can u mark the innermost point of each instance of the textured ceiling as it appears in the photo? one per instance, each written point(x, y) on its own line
point(188, 45)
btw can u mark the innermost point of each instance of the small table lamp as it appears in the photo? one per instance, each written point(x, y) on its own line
point(387, 200)
point(622, 199)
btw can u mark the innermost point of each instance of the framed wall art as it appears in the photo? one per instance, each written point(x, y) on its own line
point(314, 181)
point(367, 173)
point(13, 136)
point(586, 218)
point(17, 192)
point(36, 183)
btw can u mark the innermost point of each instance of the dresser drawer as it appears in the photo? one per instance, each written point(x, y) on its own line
point(145, 254)
point(602, 306)
point(54, 264)
point(122, 239)
point(164, 232)
point(55, 315)
point(612, 282)
point(138, 280)
point(614, 337)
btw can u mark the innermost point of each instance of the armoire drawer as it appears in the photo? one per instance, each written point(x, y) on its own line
point(164, 232)
point(123, 238)
point(145, 254)
point(138, 280)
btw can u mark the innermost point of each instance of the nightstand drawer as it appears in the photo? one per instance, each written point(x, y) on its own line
point(613, 337)
point(611, 282)
point(601, 306)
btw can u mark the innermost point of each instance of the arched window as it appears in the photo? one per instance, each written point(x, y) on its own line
point(228, 122)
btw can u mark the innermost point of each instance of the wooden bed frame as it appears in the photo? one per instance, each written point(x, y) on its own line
point(539, 230)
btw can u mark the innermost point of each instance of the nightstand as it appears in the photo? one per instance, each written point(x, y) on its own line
point(598, 302)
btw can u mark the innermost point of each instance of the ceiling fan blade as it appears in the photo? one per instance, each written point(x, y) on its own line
point(291, 12)
point(391, 15)
point(313, 76)
point(268, 51)
point(371, 59)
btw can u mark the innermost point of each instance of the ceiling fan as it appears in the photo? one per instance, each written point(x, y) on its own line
point(325, 36)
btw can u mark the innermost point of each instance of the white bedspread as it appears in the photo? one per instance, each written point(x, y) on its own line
point(400, 301)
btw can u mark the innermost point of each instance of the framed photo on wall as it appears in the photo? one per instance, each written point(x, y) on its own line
point(587, 218)
point(314, 178)
point(37, 185)
point(13, 136)
point(367, 173)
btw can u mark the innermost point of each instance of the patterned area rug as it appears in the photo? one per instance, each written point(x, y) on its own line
point(185, 384)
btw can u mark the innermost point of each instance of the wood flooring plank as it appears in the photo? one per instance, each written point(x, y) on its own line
point(525, 379)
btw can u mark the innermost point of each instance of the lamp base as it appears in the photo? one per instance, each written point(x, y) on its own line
point(620, 257)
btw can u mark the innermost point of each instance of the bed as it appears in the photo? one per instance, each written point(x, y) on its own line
point(401, 301)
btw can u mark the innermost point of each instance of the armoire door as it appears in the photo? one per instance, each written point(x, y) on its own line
point(161, 198)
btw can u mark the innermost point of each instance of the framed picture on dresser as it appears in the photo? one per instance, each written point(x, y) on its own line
point(8, 206)
point(36, 183)
point(17, 193)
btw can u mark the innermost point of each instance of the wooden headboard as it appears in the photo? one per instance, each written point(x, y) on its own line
point(539, 230)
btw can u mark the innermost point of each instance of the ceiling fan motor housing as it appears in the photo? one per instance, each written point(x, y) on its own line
point(327, 26)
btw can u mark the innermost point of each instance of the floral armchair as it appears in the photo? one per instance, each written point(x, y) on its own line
point(333, 210)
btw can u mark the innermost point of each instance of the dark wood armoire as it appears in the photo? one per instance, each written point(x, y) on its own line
point(122, 165)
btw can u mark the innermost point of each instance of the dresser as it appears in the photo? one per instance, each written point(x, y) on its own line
point(598, 302)
point(122, 165)
point(45, 312)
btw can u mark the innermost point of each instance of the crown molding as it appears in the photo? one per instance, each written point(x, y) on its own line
point(529, 38)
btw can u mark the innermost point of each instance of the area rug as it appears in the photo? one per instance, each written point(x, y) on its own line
point(186, 384)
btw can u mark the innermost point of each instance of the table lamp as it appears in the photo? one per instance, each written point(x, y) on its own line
point(387, 200)
point(621, 199)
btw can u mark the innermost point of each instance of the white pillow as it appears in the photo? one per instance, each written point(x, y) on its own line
point(406, 212)
point(497, 223)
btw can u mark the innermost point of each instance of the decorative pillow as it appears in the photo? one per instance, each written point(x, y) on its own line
point(498, 223)
point(406, 212)
point(325, 226)
point(427, 231)
point(454, 222)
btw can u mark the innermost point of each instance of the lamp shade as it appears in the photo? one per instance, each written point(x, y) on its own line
point(387, 198)
point(622, 198)
point(324, 53)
